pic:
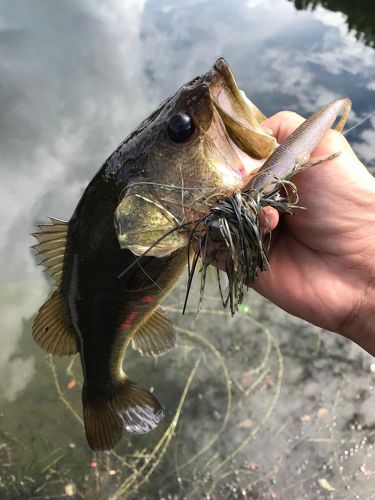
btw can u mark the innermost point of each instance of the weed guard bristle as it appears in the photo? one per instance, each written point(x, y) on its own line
point(232, 232)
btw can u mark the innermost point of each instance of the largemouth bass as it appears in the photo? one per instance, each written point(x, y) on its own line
point(125, 246)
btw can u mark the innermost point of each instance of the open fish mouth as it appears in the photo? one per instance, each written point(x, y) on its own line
point(242, 119)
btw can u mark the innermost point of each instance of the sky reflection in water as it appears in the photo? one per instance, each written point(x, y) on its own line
point(76, 78)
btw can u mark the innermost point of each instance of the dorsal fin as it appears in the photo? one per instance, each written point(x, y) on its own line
point(51, 247)
point(50, 330)
point(156, 336)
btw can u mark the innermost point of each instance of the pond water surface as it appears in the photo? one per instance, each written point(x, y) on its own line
point(258, 406)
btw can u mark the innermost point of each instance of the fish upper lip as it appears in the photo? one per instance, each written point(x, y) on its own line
point(241, 118)
point(221, 73)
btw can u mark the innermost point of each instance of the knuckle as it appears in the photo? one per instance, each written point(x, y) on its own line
point(292, 115)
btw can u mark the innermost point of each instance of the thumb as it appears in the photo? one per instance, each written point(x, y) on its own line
point(283, 124)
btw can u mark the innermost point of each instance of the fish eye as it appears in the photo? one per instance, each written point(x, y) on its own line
point(180, 127)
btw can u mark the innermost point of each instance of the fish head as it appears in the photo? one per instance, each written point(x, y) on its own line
point(203, 142)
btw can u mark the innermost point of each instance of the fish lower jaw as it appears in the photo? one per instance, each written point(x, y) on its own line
point(247, 166)
point(156, 251)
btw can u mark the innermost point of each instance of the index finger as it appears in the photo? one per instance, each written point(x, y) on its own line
point(283, 124)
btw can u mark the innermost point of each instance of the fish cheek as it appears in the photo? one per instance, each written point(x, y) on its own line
point(143, 224)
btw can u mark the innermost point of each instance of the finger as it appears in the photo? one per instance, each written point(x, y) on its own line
point(283, 124)
point(269, 219)
point(334, 141)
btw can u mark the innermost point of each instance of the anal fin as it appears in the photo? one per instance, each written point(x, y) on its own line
point(128, 407)
point(155, 337)
point(50, 330)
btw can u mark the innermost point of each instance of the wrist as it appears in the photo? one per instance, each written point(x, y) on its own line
point(360, 324)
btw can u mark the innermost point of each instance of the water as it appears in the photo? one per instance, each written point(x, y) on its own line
point(276, 408)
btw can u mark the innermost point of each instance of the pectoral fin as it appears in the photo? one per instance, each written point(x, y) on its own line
point(50, 330)
point(156, 336)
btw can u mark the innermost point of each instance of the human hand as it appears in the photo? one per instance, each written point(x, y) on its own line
point(322, 259)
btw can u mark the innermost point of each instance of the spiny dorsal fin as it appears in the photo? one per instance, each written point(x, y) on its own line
point(127, 406)
point(51, 246)
point(50, 330)
point(156, 336)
